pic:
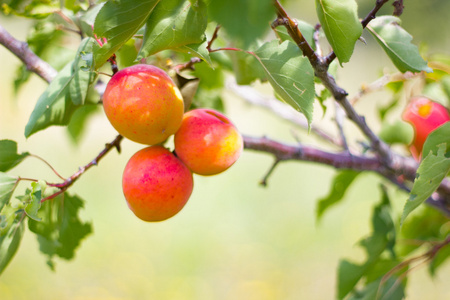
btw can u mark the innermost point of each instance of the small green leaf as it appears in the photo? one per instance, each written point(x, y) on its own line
point(290, 74)
point(10, 241)
point(9, 158)
point(396, 42)
point(7, 186)
point(172, 24)
point(61, 230)
point(432, 170)
point(117, 22)
point(35, 196)
point(437, 137)
point(340, 22)
point(340, 184)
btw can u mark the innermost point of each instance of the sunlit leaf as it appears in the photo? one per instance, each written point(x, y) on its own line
point(432, 170)
point(340, 22)
point(396, 42)
point(172, 24)
point(290, 74)
point(117, 22)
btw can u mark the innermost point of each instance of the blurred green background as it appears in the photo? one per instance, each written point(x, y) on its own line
point(234, 239)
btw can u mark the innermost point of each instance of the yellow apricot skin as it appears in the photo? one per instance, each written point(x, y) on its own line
point(156, 184)
point(143, 104)
point(207, 142)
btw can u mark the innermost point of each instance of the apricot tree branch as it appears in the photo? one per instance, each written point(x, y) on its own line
point(405, 167)
point(31, 60)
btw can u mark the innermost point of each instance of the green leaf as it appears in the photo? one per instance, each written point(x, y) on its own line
point(290, 74)
point(396, 42)
point(172, 24)
point(244, 21)
point(53, 106)
point(82, 74)
point(35, 196)
point(435, 138)
point(9, 158)
point(61, 229)
point(10, 241)
point(246, 68)
point(7, 186)
point(389, 290)
point(79, 119)
point(340, 22)
point(118, 21)
point(382, 239)
point(432, 170)
point(340, 184)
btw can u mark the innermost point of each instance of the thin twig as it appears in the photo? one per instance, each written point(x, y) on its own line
point(48, 164)
point(71, 180)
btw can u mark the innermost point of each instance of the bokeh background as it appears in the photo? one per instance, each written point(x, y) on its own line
point(234, 239)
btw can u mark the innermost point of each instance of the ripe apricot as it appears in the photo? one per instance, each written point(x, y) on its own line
point(207, 142)
point(425, 116)
point(156, 184)
point(143, 104)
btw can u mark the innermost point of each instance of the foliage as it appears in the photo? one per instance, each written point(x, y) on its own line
point(203, 42)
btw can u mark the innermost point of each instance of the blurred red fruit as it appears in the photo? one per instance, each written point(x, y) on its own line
point(425, 116)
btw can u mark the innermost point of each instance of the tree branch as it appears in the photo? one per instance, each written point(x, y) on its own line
point(31, 60)
point(405, 168)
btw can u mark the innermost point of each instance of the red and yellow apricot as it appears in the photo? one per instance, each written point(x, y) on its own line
point(207, 142)
point(156, 184)
point(143, 104)
point(425, 116)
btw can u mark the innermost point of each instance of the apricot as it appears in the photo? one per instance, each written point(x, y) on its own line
point(156, 184)
point(425, 116)
point(207, 142)
point(143, 104)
